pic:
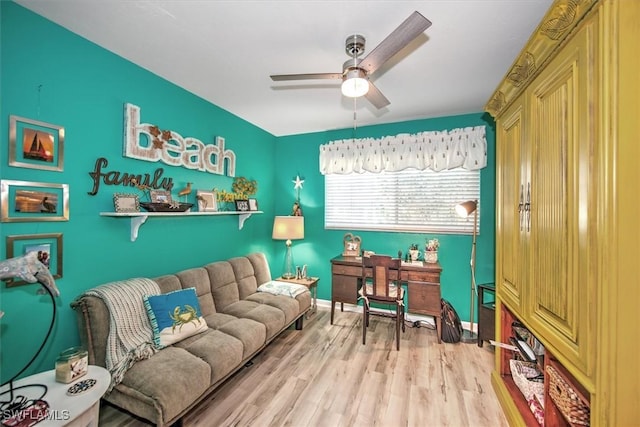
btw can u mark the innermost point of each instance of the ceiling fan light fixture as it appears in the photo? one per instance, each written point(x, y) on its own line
point(354, 84)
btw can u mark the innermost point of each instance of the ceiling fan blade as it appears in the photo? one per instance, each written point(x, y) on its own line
point(411, 28)
point(282, 77)
point(376, 97)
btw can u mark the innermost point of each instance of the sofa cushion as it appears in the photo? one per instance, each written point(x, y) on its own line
point(172, 378)
point(272, 318)
point(252, 334)
point(198, 278)
point(174, 316)
point(224, 288)
point(221, 351)
point(245, 276)
point(289, 306)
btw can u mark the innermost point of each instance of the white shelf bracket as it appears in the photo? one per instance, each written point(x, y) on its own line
point(136, 222)
point(241, 219)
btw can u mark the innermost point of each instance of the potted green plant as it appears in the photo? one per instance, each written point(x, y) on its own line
point(414, 252)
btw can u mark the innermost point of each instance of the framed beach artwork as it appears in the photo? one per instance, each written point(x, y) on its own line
point(26, 201)
point(35, 145)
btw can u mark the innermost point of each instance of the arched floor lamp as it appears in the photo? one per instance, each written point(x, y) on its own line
point(31, 270)
point(463, 210)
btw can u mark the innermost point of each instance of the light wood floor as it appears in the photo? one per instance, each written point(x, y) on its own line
point(324, 376)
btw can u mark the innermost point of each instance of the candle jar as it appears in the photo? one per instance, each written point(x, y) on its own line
point(71, 364)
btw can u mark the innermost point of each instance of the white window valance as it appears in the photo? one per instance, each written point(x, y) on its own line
point(435, 150)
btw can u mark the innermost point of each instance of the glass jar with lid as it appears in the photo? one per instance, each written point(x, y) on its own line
point(71, 364)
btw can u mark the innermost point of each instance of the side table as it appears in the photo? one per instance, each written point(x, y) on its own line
point(486, 313)
point(312, 284)
point(64, 410)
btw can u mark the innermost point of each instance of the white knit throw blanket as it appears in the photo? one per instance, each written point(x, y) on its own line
point(130, 335)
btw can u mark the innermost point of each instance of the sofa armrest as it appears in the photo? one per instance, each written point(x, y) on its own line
point(93, 324)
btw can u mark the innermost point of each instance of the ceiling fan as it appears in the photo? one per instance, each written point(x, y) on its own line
point(356, 71)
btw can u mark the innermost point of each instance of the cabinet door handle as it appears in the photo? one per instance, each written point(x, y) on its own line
point(527, 207)
point(521, 205)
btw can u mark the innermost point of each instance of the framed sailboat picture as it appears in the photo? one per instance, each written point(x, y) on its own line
point(35, 145)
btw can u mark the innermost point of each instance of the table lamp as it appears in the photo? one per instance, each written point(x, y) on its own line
point(463, 210)
point(288, 228)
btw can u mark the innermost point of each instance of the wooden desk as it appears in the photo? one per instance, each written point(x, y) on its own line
point(423, 286)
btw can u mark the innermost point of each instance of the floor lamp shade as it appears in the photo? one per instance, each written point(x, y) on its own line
point(465, 209)
point(288, 228)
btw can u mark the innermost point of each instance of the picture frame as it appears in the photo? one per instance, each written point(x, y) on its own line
point(207, 201)
point(242, 205)
point(26, 201)
point(123, 202)
point(253, 204)
point(35, 145)
point(160, 196)
point(51, 243)
point(351, 245)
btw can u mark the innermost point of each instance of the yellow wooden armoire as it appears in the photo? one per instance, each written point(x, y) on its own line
point(568, 207)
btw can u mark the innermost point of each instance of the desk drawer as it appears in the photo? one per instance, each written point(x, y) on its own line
point(422, 276)
point(344, 289)
point(424, 298)
point(346, 270)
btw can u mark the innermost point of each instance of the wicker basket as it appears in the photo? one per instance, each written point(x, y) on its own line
point(523, 374)
point(570, 404)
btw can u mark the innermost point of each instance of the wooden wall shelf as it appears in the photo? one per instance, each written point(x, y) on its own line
point(139, 218)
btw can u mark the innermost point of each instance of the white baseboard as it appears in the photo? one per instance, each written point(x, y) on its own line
point(411, 317)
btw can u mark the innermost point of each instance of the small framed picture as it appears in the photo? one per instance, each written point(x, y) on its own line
point(26, 201)
point(242, 205)
point(35, 145)
point(160, 196)
point(351, 245)
point(207, 201)
point(47, 246)
point(253, 204)
point(126, 202)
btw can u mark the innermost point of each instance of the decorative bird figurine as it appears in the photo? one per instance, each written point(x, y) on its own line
point(185, 191)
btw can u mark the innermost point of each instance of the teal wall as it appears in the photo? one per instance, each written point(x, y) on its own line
point(84, 88)
point(320, 245)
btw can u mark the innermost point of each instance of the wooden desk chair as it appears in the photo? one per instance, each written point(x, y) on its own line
point(377, 286)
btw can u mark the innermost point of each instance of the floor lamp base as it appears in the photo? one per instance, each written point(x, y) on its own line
point(468, 337)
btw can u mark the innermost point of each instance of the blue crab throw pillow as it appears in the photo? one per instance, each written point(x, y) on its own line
point(174, 316)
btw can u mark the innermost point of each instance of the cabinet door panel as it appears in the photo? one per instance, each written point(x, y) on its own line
point(561, 293)
point(511, 228)
point(344, 288)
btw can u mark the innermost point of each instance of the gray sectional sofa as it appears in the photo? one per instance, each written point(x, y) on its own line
point(240, 320)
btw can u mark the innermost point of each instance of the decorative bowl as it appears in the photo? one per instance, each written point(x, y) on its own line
point(165, 207)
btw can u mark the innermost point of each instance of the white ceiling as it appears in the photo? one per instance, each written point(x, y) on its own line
point(225, 51)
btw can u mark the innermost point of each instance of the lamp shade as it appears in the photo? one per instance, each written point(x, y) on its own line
point(465, 209)
point(354, 84)
point(288, 228)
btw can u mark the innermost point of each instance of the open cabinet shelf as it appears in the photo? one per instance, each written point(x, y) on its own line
point(139, 218)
